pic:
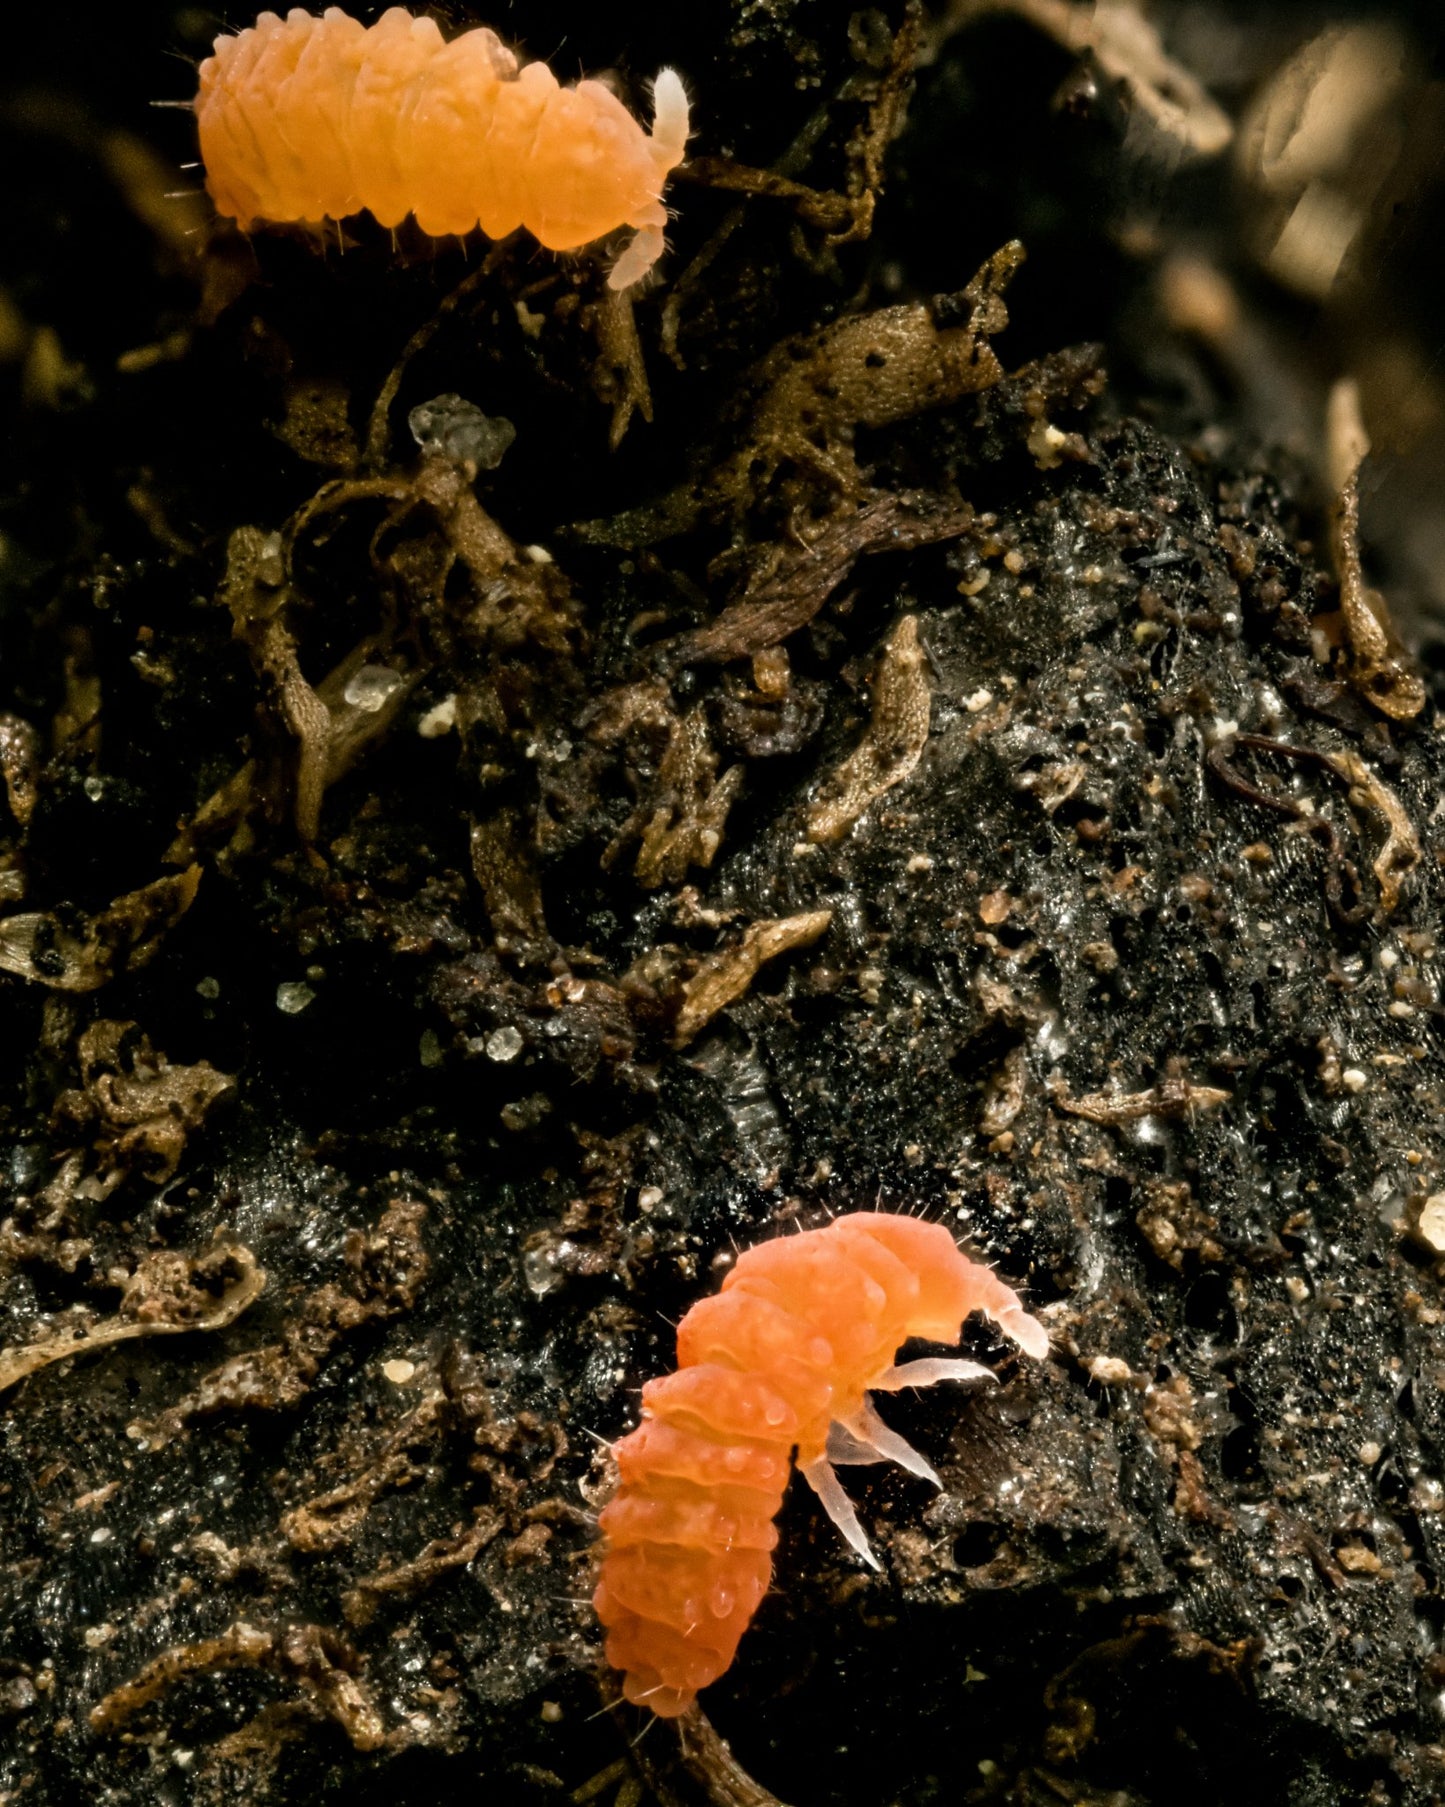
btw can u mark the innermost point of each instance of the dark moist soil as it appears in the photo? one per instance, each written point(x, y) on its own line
point(386, 852)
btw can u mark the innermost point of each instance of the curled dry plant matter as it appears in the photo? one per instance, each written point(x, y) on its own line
point(892, 745)
point(167, 1295)
point(71, 951)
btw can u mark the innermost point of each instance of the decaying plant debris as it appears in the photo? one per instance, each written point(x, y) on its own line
point(162, 1298)
point(511, 794)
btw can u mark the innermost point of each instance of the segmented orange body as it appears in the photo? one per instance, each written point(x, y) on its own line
point(780, 1360)
point(310, 119)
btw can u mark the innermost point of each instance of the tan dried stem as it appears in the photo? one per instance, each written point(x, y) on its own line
point(1380, 666)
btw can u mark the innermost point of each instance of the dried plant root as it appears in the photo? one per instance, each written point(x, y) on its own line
point(1380, 665)
point(314, 1659)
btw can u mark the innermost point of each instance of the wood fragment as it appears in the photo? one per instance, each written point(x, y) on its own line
point(353, 725)
point(822, 207)
point(616, 1772)
point(674, 1770)
point(256, 589)
point(789, 597)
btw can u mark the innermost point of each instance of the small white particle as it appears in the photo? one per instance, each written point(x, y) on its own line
point(1354, 1079)
point(439, 720)
point(370, 689)
point(398, 1372)
point(270, 561)
point(292, 998)
point(504, 1044)
point(978, 702)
